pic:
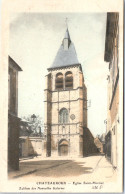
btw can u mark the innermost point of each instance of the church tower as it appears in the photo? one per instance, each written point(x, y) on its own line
point(65, 103)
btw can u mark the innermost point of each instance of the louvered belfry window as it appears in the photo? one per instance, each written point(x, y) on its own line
point(68, 80)
point(63, 115)
point(59, 81)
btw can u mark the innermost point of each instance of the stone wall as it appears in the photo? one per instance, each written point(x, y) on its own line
point(75, 101)
point(32, 146)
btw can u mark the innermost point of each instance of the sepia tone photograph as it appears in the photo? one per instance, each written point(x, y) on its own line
point(64, 102)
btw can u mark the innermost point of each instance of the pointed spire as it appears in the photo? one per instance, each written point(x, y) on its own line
point(66, 54)
point(67, 31)
point(67, 34)
point(66, 40)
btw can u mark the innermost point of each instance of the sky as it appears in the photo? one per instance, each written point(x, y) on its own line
point(34, 40)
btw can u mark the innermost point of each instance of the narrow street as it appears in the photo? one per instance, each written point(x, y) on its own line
point(81, 169)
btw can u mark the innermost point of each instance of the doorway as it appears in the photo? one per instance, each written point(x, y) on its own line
point(63, 148)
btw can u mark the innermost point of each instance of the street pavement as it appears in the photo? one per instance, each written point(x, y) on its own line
point(88, 168)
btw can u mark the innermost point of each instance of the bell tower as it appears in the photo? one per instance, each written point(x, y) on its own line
point(65, 103)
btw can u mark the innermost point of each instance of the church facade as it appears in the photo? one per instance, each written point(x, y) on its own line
point(65, 103)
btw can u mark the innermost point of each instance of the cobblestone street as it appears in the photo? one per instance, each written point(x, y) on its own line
point(84, 169)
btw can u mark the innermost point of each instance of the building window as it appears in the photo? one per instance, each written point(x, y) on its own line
point(68, 80)
point(63, 115)
point(59, 81)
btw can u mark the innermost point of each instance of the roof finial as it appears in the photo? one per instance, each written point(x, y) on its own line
point(66, 22)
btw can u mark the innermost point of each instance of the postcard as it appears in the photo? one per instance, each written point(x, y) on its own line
point(62, 96)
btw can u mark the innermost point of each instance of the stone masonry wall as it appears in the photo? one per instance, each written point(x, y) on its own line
point(72, 100)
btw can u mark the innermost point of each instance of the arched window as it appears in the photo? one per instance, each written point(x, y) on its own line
point(68, 80)
point(63, 115)
point(59, 81)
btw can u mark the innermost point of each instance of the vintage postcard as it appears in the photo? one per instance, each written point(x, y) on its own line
point(62, 96)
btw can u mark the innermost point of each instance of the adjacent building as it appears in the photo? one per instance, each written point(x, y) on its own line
point(31, 146)
point(99, 144)
point(112, 57)
point(66, 105)
point(31, 142)
point(13, 119)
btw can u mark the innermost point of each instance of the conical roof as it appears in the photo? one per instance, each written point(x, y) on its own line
point(65, 57)
point(67, 34)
